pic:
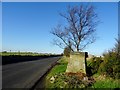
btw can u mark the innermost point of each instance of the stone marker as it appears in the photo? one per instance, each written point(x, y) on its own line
point(77, 62)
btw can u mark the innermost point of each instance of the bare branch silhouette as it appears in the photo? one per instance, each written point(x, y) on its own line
point(80, 28)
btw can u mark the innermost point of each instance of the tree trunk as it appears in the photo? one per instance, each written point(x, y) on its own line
point(77, 48)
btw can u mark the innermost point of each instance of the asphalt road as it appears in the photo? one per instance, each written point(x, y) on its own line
point(25, 74)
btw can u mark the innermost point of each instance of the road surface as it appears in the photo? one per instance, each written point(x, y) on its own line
point(25, 74)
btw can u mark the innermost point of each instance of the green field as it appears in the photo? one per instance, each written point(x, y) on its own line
point(24, 54)
point(15, 57)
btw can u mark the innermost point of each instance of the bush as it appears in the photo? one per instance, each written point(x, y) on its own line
point(93, 65)
point(111, 65)
point(116, 71)
point(102, 69)
point(67, 52)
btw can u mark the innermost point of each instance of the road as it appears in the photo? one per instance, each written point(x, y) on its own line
point(25, 74)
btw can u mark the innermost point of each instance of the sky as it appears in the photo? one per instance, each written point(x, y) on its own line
point(26, 26)
point(0, 26)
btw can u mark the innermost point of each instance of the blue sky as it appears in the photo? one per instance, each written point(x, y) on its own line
point(0, 26)
point(27, 26)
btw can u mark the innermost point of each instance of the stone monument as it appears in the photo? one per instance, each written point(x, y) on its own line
point(77, 62)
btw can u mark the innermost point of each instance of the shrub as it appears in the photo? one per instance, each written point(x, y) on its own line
point(116, 71)
point(94, 64)
point(102, 69)
point(111, 65)
point(67, 51)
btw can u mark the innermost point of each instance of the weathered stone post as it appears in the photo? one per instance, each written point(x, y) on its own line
point(77, 62)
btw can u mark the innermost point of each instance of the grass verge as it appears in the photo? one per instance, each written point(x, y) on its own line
point(58, 69)
point(105, 82)
point(57, 79)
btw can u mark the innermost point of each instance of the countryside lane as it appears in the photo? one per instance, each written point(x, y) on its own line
point(25, 74)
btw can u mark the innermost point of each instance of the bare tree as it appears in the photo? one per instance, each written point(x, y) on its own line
point(80, 28)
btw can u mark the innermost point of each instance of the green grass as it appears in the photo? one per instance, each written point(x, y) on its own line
point(23, 54)
point(58, 79)
point(58, 69)
point(105, 82)
point(101, 81)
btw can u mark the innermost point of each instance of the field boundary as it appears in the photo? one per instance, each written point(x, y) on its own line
point(16, 59)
